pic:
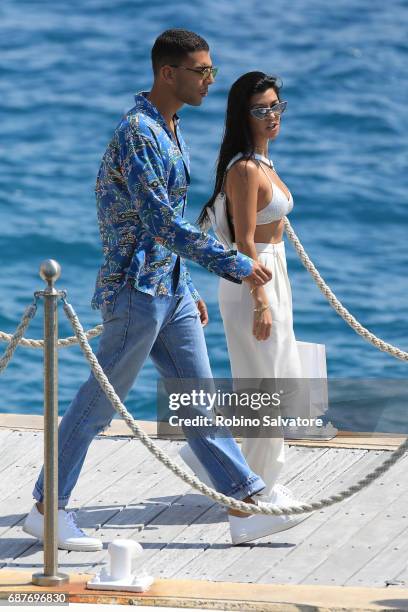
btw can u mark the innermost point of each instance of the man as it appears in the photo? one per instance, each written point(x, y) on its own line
point(148, 302)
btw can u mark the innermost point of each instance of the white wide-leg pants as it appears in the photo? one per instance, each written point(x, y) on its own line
point(276, 357)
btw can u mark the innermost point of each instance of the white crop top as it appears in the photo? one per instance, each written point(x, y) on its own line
point(280, 205)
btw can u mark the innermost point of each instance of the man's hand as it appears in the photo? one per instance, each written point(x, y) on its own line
point(202, 309)
point(260, 275)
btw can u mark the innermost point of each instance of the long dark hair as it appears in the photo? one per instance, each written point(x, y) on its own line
point(237, 133)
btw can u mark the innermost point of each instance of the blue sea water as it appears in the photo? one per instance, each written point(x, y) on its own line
point(69, 70)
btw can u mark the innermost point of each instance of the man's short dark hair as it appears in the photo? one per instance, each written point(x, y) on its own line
point(172, 46)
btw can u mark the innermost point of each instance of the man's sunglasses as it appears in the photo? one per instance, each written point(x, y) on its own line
point(263, 113)
point(205, 71)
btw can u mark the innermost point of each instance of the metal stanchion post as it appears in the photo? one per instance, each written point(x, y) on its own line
point(50, 271)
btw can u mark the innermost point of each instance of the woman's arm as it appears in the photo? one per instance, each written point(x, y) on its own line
point(243, 186)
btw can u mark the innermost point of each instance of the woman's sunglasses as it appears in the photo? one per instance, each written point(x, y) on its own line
point(262, 113)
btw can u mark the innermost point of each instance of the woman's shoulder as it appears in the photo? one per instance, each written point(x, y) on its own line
point(244, 169)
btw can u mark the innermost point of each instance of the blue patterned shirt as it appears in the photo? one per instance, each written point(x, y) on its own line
point(140, 191)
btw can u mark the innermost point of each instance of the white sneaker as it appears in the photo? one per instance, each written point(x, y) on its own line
point(254, 526)
point(70, 536)
point(195, 465)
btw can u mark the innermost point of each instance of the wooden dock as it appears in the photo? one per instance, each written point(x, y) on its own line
point(124, 492)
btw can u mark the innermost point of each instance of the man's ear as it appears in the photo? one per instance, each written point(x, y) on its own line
point(167, 74)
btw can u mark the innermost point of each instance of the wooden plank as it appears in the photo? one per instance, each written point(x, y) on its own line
point(386, 566)
point(191, 543)
point(13, 543)
point(107, 471)
point(171, 524)
point(21, 476)
point(369, 542)
point(35, 422)
point(18, 444)
point(18, 497)
point(353, 529)
point(324, 469)
point(4, 435)
point(15, 478)
point(9, 478)
point(141, 476)
point(299, 459)
point(401, 576)
point(362, 440)
point(99, 449)
point(95, 455)
point(26, 457)
point(330, 527)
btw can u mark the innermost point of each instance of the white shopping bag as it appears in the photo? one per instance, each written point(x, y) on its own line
point(313, 359)
point(314, 369)
point(313, 362)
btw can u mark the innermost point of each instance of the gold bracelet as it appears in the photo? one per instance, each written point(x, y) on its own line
point(253, 289)
point(262, 308)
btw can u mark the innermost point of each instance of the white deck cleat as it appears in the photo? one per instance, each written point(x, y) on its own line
point(70, 536)
point(121, 575)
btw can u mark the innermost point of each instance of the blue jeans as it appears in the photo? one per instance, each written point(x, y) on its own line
point(168, 329)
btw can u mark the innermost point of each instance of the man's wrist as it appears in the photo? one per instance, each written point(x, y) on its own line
point(244, 265)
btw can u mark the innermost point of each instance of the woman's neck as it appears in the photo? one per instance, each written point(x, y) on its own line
point(261, 150)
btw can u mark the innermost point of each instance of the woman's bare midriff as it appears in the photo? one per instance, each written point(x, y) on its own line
point(271, 233)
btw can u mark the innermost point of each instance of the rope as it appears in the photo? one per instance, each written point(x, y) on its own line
point(62, 342)
point(336, 304)
point(192, 480)
point(15, 339)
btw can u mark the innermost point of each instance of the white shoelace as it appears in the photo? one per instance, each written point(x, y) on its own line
point(70, 518)
point(280, 490)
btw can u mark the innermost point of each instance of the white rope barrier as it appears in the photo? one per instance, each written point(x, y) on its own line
point(230, 502)
point(62, 342)
point(15, 339)
point(336, 304)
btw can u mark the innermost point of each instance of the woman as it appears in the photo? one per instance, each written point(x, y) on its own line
point(257, 321)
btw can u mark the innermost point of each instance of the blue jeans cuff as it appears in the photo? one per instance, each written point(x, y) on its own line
point(250, 486)
point(39, 496)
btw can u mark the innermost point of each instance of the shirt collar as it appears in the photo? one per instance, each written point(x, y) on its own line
point(143, 104)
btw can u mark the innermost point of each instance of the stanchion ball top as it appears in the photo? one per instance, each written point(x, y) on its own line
point(50, 270)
